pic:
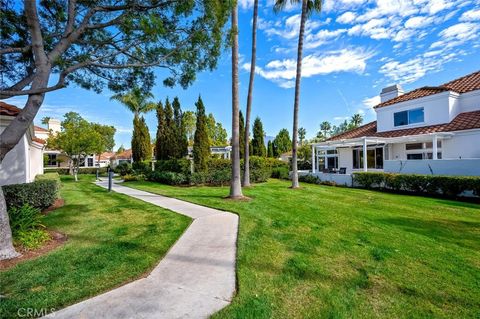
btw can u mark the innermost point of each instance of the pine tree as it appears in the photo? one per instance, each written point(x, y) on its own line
point(258, 143)
point(241, 123)
point(201, 144)
point(270, 149)
point(282, 142)
point(181, 141)
point(141, 147)
point(160, 141)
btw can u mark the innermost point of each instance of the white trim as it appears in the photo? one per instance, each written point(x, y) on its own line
point(436, 96)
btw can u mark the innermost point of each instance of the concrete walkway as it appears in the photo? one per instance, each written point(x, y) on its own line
point(194, 280)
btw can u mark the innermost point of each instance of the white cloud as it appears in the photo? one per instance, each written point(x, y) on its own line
point(370, 102)
point(346, 18)
point(471, 15)
point(457, 34)
point(418, 22)
point(321, 37)
point(245, 4)
point(283, 71)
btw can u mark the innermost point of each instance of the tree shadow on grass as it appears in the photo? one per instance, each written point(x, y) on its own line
point(461, 233)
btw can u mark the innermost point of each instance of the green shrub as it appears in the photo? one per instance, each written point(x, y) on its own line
point(132, 178)
point(142, 167)
point(450, 186)
point(220, 177)
point(169, 178)
point(311, 179)
point(124, 168)
point(32, 239)
point(199, 178)
point(39, 194)
point(81, 170)
point(24, 218)
point(280, 172)
point(173, 165)
point(48, 176)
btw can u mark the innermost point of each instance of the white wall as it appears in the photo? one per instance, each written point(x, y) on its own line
point(470, 101)
point(464, 144)
point(463, 167)
point(436, 107)
point(13, 167)
point(345, 159)
point(36, 160)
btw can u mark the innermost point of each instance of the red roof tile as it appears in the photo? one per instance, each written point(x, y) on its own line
point(464, 84)
point(40, 129)
point(463, 121)
point(127, 154)
point(38, 140)
point(8, 109)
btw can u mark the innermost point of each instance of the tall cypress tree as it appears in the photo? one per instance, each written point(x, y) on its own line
point(181, 141)
point(160, 142)
point(270, 149)
point(169, 131)
point(241, 123)
point(258, 143)
point(141, 147)
point(201, 144)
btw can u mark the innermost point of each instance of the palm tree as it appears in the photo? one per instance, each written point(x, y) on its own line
point(356, 120)
point(235, 185)
point(246, 171)
point(325, 127)
point(136, 101)
point(308, 7)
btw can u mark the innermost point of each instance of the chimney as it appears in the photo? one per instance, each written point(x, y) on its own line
point(54, 125)
point(390, 92)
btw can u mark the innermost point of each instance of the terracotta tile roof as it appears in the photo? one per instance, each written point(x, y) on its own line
point(464, 84)
point(40, 129)
point(106, 156)
point(8, 109)
point(127, 154)
point(38, 140)
point(463, 121)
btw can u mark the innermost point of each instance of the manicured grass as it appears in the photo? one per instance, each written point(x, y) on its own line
point(327, 252)
point(112, 239)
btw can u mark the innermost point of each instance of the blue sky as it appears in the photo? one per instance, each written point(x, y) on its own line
point(354, 48)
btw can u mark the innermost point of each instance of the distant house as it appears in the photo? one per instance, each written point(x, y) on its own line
point(25, 160)
point(56, 158)
point(430, 130)
point(221, 151)
point(122, 157)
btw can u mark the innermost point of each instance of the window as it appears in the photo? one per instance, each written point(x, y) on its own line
point(52, 160)
point(422, 151)
point(327, 159)
point(374, 158)
point(90, 162)
point(408, 117)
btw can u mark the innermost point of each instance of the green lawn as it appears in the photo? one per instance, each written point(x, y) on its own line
point(112, 239)
point(327, 252)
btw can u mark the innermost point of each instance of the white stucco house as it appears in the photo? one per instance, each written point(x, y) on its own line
point(56, 158)
point(25, 160)
point(430, 130)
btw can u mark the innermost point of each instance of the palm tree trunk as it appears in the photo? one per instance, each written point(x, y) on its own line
point(246, 172)
point(235, 185)
point(297, 95)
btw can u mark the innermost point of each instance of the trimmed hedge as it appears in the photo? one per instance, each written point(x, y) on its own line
point(450, 186)
point(81, 170)
point(124, 168)
point(177, 172)
point(40, 194)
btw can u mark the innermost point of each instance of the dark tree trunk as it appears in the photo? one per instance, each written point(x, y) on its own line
point(246, 172)
point(297, 95)
point(235, 185)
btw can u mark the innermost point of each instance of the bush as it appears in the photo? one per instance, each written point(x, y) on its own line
point(24, 218)
point(450, 186)
point(133, 178)
point(142, 167)
point(32, 239)
point(311, 179)
point(173, 165)
point(81, 170)
point(199, 178)
point(169, 178)
point(124, 168)
point(280, 172)
point(48, 176)
point(39, 194)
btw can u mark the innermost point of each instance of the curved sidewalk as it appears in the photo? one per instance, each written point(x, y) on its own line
point(195, 279)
